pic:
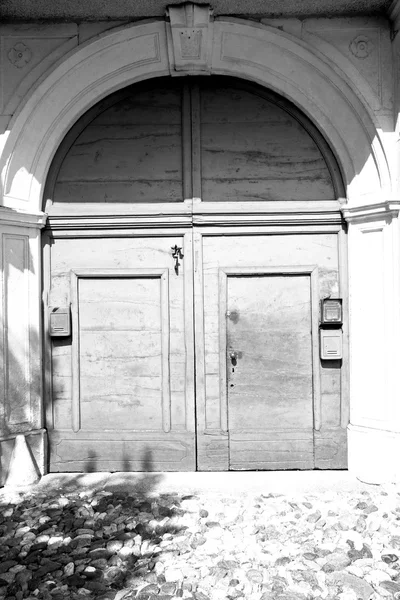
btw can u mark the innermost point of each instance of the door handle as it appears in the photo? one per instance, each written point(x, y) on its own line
point(233, 355)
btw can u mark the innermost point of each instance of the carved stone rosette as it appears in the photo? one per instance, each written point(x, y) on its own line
point(361, 46)
point(19, 55)
point(190, 36)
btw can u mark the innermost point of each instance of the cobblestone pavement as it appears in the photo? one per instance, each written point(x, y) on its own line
point(341, 545)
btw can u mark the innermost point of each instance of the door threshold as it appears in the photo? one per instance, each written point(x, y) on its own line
point(210, 482)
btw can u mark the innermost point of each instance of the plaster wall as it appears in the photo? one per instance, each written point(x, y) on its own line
point(340, 71)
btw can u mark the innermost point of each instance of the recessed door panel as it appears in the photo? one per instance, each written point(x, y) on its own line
point(269, 366)
point(120, 352)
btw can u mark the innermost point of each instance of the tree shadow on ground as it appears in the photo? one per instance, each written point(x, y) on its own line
point(72, 542)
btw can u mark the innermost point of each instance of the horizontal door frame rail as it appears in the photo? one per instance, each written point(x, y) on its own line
point(196, 206)
point(193, 211)
point(209, 230)
point(163, 275)
point(83, 215)
point(278, 229)
point(312, 272)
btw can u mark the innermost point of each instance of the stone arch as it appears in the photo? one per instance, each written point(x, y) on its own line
point(140, 51)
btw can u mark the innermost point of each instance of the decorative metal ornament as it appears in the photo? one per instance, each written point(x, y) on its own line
point(177, 254)
point(19, 55)
point(361, 46)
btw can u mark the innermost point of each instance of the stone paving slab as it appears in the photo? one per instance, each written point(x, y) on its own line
point(201, 536)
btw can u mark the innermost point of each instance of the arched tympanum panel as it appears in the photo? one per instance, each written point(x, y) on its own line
point(215, 138)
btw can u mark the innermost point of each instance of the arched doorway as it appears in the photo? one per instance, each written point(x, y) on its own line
point(193, 228)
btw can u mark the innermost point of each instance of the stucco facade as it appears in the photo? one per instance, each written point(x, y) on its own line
point(341, 72)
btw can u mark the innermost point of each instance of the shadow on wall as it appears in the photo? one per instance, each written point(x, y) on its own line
point(81, 534)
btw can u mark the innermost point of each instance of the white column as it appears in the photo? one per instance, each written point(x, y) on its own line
point(374, 303)
point(20, 339)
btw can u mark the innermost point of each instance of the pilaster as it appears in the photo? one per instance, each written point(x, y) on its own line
point(20, 339)
point(374, 301)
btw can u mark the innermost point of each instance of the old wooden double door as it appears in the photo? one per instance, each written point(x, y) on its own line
point(192, 232)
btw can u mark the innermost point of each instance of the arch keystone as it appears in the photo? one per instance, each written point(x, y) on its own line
point(190, 37)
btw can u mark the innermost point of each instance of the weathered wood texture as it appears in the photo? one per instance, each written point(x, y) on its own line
point(120, 451)
point(120, 353)
point(132, 152)
point(131, 334)
point(270, 382)
point(254, 150)
point(231, 145)
point(262, 252)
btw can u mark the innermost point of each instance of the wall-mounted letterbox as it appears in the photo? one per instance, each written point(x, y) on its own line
point(60, 321)
point(331, 311)
point(331, 344)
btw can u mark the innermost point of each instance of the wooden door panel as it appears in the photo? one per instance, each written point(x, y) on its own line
point(272, 450)
point(235, 265)
point(252, 150)
point(270, 389)
point(122, 385)
point(92, 453)
point(270, 328)
point(131, 152)
point(120, 352)
point(330, 448)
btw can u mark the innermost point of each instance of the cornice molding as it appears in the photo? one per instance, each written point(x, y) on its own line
point(19, 218)
point(118, 222)
point(372, 212)
point(204, 214)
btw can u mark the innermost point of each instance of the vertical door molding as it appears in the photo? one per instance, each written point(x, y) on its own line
point(75, 370)
point(165, 348)
point(196, 142)
point(189, 330)
point(199, 331)
point(222, 301)
point(344, 294)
